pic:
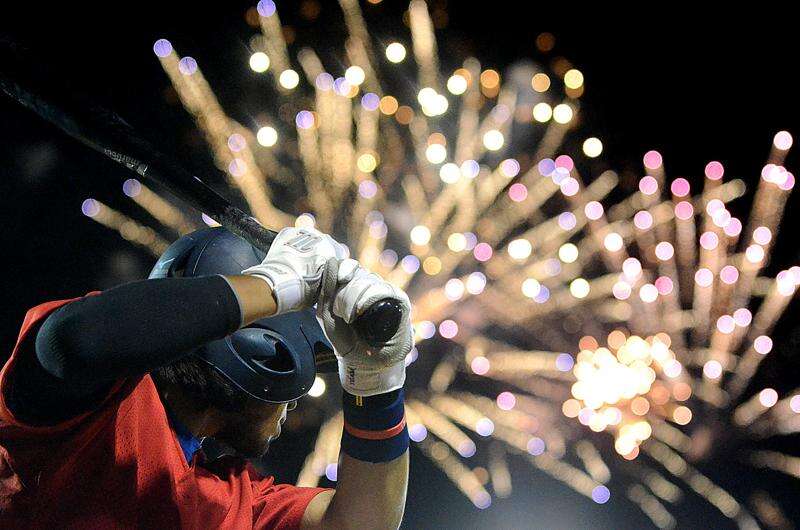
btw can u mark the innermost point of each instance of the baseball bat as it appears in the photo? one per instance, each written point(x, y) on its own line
point(104, 131)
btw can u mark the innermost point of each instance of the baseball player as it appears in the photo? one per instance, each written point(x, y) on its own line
point(106, 398)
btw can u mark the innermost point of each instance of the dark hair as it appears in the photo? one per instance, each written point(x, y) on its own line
point(205, 385)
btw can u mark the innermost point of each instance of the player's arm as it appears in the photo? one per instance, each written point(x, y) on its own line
point(367, 494)
point(373, 474)
point(305, 267)
point(373, 465)
point(83, 348)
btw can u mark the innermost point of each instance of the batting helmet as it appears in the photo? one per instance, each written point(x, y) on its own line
point(274, 359)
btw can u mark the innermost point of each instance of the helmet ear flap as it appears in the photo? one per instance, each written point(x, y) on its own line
point(262, 363)
point(264, 349)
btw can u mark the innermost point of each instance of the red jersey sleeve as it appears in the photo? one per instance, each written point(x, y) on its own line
point(281, 506)
point(33, 319)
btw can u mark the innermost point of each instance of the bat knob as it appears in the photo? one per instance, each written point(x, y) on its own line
point(378, 324)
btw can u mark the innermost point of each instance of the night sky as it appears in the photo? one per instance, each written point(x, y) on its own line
point(695, 87)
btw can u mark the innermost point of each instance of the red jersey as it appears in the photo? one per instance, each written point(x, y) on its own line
point(121, 466)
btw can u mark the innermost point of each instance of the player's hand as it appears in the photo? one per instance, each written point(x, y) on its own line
point(348, 290)
point(293, 266)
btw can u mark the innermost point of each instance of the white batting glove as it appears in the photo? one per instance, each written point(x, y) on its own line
point(348, 290)
point(293, 266)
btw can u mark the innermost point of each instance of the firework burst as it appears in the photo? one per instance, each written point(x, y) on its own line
point(548, 304)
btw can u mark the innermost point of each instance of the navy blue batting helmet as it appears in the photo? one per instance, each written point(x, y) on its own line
point(274, 359)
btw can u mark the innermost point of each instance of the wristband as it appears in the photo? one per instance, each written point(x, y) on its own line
point(374, 427)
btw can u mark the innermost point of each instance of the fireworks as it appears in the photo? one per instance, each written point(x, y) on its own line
point(548, 305)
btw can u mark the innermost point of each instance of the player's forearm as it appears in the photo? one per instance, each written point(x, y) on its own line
point(369, 495)
point(373, 465)
point(255, 298)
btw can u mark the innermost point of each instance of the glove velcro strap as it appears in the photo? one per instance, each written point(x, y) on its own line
point(375, 427)
point(364, 382)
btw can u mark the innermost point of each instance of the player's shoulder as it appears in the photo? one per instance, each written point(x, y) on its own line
point(45, 308)
point(36, 314)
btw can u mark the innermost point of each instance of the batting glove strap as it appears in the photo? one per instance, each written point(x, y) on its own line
point(368, 381)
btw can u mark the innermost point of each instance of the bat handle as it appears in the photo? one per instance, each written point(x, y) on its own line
point(378, 324)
